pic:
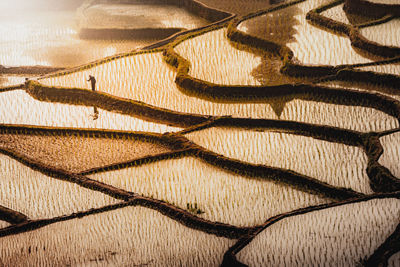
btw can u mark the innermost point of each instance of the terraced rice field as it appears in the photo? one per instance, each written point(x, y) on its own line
point(308, 156)
point(392, 27)
point(329, 231)
point(138, 16)
point(391, 147)
point(29, 111)
point(337, 14)
point(51, 39)
point(318, 46)
point(227, 145)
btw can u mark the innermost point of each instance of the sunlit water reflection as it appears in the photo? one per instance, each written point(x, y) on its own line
point(141, 16)
point(17, 107)
point(386, 34)
point(339, 236)
point(51, 38)
point(8, 80)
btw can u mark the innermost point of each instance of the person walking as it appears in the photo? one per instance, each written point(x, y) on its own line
point(93, 82)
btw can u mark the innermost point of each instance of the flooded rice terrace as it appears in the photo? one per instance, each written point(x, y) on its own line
point(50, 38)
point(265, 137)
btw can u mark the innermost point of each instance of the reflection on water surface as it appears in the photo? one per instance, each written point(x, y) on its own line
point(51, 38)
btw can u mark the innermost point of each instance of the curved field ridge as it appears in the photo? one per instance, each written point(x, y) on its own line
point(392, 27)
point(93, 240)
point(187, 181)
point(12, 216)
point(24, 190)
point(339, 72)
point(312, 238)
point(32, 233)
point(63, 114)
point(307, 155)
point(230, 256)
point(373, 8)
point(357, 40)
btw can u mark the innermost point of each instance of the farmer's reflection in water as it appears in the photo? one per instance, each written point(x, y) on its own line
point(93, 83)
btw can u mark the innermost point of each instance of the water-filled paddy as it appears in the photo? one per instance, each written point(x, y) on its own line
point(385, 34)
point(134, 16)
point(39, 196)
point(316, 46)
point(354, 118)
point(336, 13)
point(240, 7)
point(340, 236)
point(51, 39)
point(137, 80)
point(391, 155)
point(8, 80)
point(20, 108)
point(277, 26)
point(333, 163)
point(131, 235)
point(4, 224)
point(77, 153)
point(234, 199)
point(394, 260)
point(215, 60)
point(391, 2)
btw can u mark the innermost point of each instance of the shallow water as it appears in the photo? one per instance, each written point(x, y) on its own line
point(79, 153)
point(141, 236)
point(137, 80)
point(385, 34)
point(215, 60)
point(277, 26)
point(39, 196)
point(8, 80)
point(392, 2)
point(4, 224)
point(50, 38)
point(20, 108)
point(391, 155)
point(348, 117)
point(223, 196)
point(339, 236)
point(317, 46)
point(336, 13)
point(394, 260)
point(140, 16)
point(125, 237)
point(333, 163)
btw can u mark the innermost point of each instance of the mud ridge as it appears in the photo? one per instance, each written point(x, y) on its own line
point(367, 8)
point(382, 254)
point(180, 215)
point(248, 42)
point(230, 258)
point(357, 40)
point(12, 216)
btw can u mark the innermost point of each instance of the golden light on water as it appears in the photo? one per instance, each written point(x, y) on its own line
point(232, 173)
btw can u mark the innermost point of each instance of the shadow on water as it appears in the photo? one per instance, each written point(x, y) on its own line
point(277, 27)
point(47, 34)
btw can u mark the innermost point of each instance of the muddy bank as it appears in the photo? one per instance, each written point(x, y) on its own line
point(33, 70)
point(127, 34)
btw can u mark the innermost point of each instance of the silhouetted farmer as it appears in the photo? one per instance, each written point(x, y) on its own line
point(93, 82)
